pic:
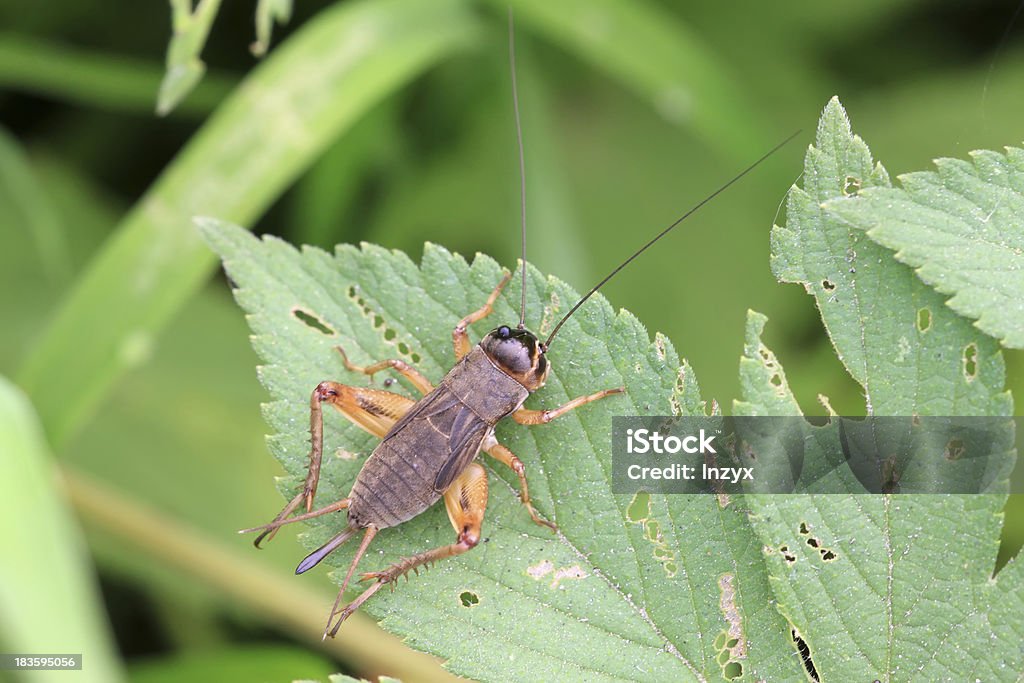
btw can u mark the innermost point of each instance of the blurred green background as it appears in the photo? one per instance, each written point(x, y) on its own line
point(387, 121)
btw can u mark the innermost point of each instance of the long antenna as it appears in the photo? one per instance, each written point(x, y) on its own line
point(664, 232)
point(522, 160)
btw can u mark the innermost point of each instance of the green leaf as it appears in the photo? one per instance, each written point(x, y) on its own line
point(911, 354)
point(184, 68)
point(886, 587)
point(962, 229)
point(49, 600)
point(631, 588)
point(874, 585)
point(268, 12)
point(795, 456)
point(38, 241)
point(287, 111)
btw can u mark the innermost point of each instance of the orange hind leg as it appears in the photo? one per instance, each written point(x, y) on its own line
point(465, 500)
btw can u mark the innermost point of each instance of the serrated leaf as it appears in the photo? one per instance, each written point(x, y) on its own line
point(842, 455)
point(895, 335)
point(962, 229)
point(887, 587)
point(632, 587)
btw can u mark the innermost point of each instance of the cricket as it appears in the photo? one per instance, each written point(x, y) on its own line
point(429, 448)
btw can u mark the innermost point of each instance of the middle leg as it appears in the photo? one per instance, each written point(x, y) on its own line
point(506, 457)
point(417, 379)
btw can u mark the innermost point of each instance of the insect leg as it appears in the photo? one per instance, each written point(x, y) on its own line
point(268, 530)
point(374, 410)
point(536, 417)
point(506, 457)
point(465, 500)
point(459, 337)
point(421, 383)
point(371, 531)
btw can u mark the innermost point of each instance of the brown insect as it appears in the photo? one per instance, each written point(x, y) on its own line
point(429, 447)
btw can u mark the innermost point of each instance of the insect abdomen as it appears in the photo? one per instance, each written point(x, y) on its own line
point(391, 489)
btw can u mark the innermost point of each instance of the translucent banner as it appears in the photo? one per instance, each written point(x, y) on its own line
point(816, 455)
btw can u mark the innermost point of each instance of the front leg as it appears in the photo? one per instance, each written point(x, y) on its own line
point(460, 339)
point(525, 416)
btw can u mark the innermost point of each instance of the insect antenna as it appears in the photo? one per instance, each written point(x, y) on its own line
point(522, 162)
point(661, 234)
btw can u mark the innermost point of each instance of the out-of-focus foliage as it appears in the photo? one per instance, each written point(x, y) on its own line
point(169, 417)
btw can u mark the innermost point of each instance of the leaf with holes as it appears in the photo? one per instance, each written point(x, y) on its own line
point(961, 228)
point(884, 587)
point(894, 334)
point(888, 588)
point(631, 588)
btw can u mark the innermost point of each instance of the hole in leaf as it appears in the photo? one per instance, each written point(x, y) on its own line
point(415, 358)
point(813, 542)
point(378, 321)
point(786, 555)
point(924, 320)
point(389, 334)
point(723, 657)
point(971, 361)
point(805, 655)
point(851, 185)
point(469, 599)
point(313, 321)
point(776, 380)
point(827, 554)
point(804, 529)
point(732, 671)
point(732, 643)
point(720, 640)
point(640, 507)
point(955, 449)
point(828, 285)
point(403, 348)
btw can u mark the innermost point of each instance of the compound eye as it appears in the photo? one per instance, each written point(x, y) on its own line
point(504, 332)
